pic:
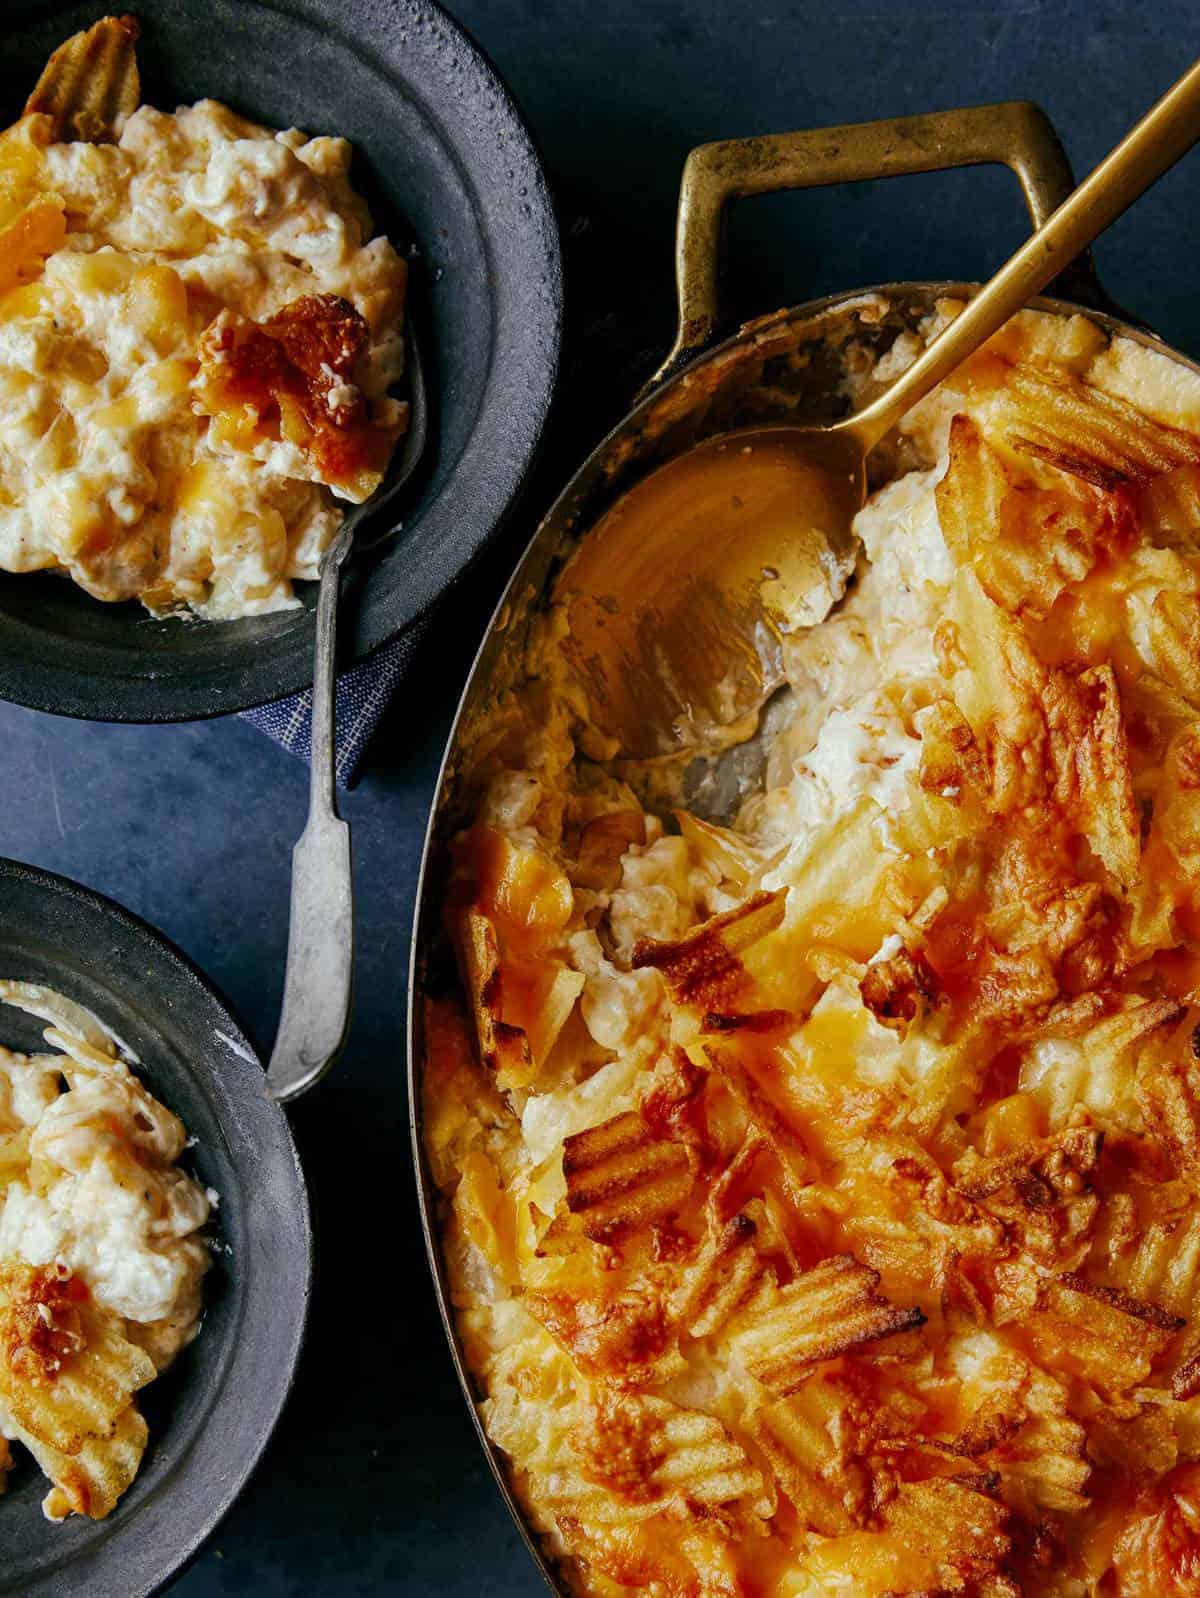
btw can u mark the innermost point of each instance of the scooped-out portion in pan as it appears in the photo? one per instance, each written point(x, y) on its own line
point(820, 1195)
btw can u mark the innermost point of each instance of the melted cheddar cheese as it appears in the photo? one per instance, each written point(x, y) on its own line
point(821, 1194)
point(197, 337)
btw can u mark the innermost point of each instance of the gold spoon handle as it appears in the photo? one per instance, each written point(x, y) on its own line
point(1164, 134)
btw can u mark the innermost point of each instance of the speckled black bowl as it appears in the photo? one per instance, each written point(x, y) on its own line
point(210, 1416)
point(446, 163)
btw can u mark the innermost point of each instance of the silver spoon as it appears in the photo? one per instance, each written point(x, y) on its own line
point(320, 958)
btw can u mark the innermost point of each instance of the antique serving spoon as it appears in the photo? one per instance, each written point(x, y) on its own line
point(320, 958)
point(679, 597)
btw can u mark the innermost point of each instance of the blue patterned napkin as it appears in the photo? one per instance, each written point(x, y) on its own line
point(363, 694)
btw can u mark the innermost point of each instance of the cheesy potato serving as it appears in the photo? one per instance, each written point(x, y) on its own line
point(198, 333)
point(101, 1260)
point(821, 1194)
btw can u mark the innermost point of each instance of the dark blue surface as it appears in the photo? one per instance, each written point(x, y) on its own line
point(374, 1484)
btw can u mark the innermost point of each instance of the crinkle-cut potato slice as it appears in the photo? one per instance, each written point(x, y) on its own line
point(502, 1046)
point(1026, 1434)
point(1050, 738)
point(804, 1440)
point(1151, 1246)
point(852, 1246)
point(1040, 1172)
point(68, 1370)
point(700, 1462)
point(92, 1480)
point(90, 84)
point(1168, 508)
point(1041, 1191)
point(1168, 1089)
point(1093, 779)
point(1028, 540)
point(1045, 1468)
point(1056, 417)
point(653, 1455)
point(936, 1537)
point(515, 1053)
point(766, 1126)
point(67, 1379)
point(1099, 1333)
point(827, 1311)
point(704, 970)
point(1095, 1064)
point(1174, 626)
point(998, 690)
point(1175, 818)
point(725, 1272)
point(620, 1175)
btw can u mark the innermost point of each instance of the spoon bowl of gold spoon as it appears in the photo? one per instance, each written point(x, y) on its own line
point(679, 598)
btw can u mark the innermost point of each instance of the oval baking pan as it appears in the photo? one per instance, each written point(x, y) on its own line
point(445, 162)
point(211, 1415)
point(785, 367)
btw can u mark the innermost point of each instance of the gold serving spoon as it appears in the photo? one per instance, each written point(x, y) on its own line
point(679, 597)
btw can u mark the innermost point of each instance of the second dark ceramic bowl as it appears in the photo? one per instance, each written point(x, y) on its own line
point(212, 1413)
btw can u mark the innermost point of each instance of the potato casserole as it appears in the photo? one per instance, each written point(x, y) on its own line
point(820, 1193)
point(198, 332)
point(101, 1254)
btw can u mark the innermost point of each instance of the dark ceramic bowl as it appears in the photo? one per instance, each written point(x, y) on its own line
point(210, 1416)
point(446, 164)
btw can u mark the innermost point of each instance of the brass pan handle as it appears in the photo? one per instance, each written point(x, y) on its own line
point(1016, 134)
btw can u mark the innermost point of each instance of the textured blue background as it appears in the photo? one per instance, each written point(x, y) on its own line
point(374, 1483)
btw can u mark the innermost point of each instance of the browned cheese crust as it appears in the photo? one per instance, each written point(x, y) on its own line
point(820, 1194)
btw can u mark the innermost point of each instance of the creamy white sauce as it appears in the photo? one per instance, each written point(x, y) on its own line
point(100, 434)
point(101, 1192)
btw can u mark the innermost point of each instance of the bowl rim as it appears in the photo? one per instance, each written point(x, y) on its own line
point(425, 909)
point(479, 117)
point(202, 1491)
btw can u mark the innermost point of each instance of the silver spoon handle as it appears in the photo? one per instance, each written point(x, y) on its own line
point(1165, 133)
point(320, 957)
